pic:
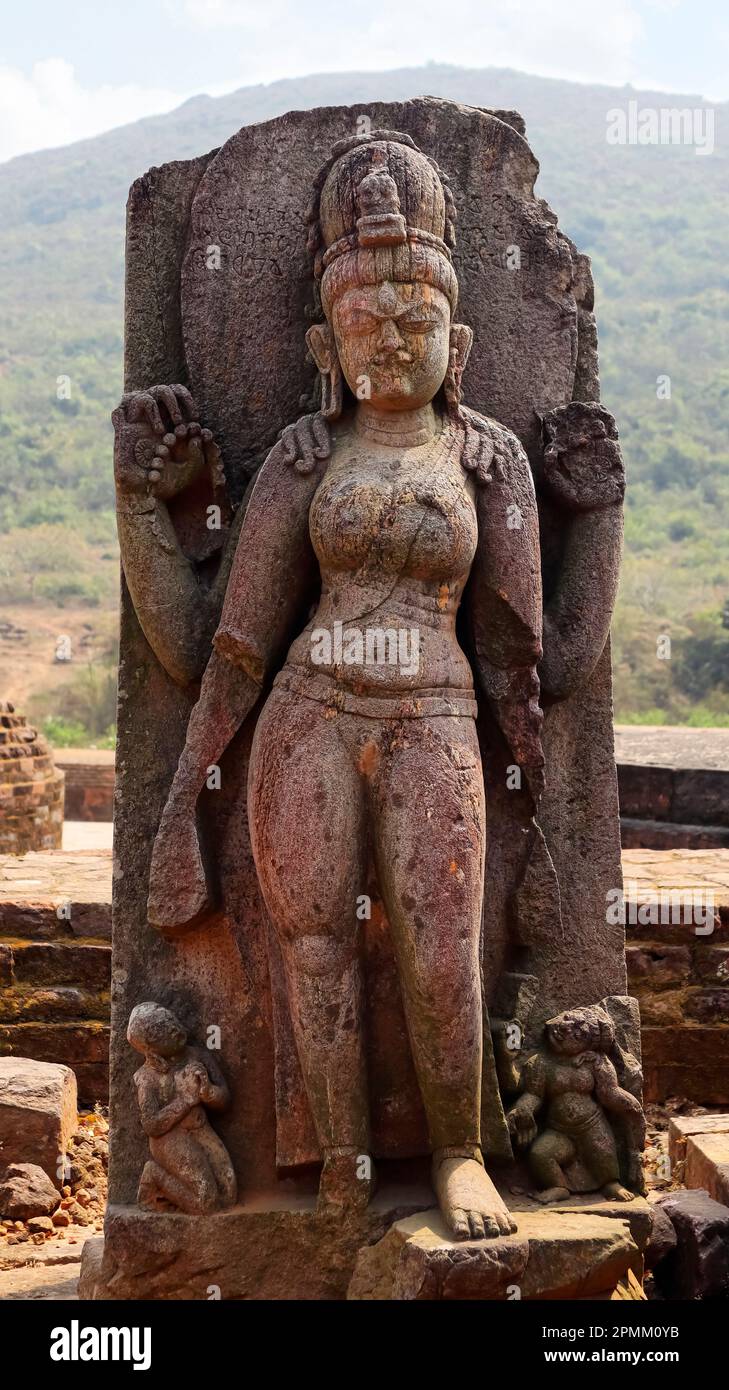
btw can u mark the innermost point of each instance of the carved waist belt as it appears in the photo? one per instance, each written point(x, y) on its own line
point(416, 704)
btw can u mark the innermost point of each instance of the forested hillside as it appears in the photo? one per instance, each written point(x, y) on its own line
point(654, 218)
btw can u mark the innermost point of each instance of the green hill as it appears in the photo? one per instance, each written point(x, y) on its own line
point(654, 219)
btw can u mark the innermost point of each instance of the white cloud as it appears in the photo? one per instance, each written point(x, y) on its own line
point(589, 42)
point(245, 42)
point(49, 107)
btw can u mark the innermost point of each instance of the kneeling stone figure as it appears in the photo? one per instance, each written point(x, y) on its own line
point(189, 1168)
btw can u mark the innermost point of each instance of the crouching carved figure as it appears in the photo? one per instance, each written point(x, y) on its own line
point(575, 1084)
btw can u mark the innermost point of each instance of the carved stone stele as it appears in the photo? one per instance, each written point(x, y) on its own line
point(394, 790)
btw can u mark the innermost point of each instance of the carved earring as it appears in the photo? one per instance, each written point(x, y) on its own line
point(460, 346)
point(320, 341)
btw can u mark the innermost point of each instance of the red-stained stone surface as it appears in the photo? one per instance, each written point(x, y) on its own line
point(180, 319)
point(37, 1112)
point(683, 1055)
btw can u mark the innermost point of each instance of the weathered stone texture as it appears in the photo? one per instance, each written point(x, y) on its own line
point(180, 317)
point(286, 1253)
point(219, 292)
point(579, 1249)
point(673, 785)
point(663, 1237)
point(26, 1192)
point(37, 1112)
point(698, 1147)
point(555, 1254)
point(55, 963)
point(678, 967)
point(698, 1267)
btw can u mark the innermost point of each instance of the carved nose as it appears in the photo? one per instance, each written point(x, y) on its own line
point(390, 338)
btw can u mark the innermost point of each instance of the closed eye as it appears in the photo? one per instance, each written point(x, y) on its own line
point(360, 322)
point(418, 325)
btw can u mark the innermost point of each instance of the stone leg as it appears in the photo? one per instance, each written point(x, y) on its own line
point(599, 1154)
point(150, 1193)
point(183, 1171)
point(307, 821)
point(429, 842)
point(220, 1165)
point(548, 1156)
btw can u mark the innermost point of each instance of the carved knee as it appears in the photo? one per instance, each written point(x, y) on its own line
point(441, 991)
point(546, 1156)
point(318, 955)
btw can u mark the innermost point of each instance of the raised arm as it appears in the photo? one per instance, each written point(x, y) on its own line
point(610, 1093)
point(161, 451)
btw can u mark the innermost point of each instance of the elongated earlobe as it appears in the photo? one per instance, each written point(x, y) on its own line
point(321, 345)
point(461, 340)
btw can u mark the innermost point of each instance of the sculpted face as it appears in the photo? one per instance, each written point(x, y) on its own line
point(572, 1032)
point(393, 343)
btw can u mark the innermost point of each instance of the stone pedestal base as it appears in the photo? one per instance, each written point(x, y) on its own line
point(567, 1252)
point(397, 1249)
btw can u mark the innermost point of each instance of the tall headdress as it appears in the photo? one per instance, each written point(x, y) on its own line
point(381, 210)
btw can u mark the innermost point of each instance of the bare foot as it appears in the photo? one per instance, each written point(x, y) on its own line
point(149, 1193)
point(470, 1204)
point(551, 1194)
point(617, 1193)
point(347, 1180)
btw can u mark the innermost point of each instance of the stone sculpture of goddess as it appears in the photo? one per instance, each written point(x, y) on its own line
point(368, 521)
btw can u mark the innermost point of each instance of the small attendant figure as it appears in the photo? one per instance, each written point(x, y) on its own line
point(189, 1168)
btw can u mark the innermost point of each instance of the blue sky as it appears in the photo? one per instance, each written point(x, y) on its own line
point(75, 68)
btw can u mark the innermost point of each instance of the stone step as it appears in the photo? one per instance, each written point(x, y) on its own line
point(55, 921)
point(657, 966)
point(687, 1060)
point(662, 835)
point(693, 877)
point(693, 795)
point(67, 962)
point(81, 1045)
point(89, 790)
point(580, 1248)
point(698, 1147)
point(55, 962)
point(672, 774)
point(56, 895)
point(29, 1004)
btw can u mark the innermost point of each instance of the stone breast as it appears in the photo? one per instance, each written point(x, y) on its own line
point(390, 518)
